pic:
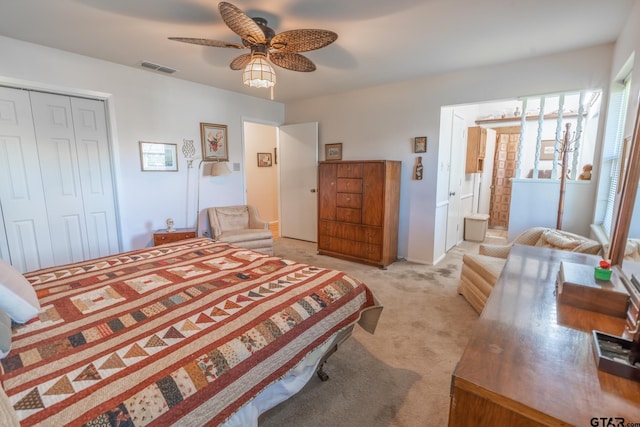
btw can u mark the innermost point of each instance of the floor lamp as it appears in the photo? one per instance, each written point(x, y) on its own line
point(217, 169)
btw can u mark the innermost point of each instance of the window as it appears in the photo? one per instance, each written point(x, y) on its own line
point(543, 133)
point(612, 151)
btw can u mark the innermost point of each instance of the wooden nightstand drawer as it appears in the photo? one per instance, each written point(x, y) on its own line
point(162, 236)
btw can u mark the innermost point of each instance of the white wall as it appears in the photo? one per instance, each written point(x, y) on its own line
point(262, 182)
point(380, 122)
point(535, 201)
point(146, 106)
point(628, 46)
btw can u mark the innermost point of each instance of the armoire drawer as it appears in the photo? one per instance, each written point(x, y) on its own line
point(349, 200)
point(353, 216)
point(349, 247)
point(350, 232)
point(349, 170)
point(348, 185)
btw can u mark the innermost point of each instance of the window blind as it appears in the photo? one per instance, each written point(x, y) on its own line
point(613, 146)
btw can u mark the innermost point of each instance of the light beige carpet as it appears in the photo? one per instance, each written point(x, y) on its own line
point(401, 375)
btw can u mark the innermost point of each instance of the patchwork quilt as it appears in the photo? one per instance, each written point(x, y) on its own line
point(185, 332)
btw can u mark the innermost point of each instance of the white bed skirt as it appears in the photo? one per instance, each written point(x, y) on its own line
point(278, 392)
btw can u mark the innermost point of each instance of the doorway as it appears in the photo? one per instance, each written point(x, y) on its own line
point(261, 177)
point(504, 169)
point(455, 216)
point(284, 190)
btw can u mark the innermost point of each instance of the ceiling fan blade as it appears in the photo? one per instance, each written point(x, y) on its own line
point(207, 42)
point(241, 24)
point(240, 62)
point(292, 61)
point(302, 40)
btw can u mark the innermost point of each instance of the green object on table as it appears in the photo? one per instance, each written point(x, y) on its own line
point(602, 273)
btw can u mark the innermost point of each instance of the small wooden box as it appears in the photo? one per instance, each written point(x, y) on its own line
point(611, 362)
point(577, 286)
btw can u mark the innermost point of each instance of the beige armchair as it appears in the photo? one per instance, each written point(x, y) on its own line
point(480, 271)
point(241, 226)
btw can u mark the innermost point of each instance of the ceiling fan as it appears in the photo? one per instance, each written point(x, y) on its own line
point(281, 49)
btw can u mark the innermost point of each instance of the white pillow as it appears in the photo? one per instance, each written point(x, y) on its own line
point(17, 297)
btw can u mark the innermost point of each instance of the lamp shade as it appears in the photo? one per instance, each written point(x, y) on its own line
point(218, 169)
point(258, 72)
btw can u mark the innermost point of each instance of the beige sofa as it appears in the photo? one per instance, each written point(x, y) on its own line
point(481, 271)
point(241, 226)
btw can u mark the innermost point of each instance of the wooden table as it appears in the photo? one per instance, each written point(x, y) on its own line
point(530, 362)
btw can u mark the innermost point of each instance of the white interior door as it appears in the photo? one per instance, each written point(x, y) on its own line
point(21, 193)
point(298, 163)
point(60, 176)
point(94, 167)
point(455, 226)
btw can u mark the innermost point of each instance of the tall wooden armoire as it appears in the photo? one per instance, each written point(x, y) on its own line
point(358, 210)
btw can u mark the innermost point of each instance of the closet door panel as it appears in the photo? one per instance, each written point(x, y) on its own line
point(21, 192)
point(94, 166)
point(56, 143)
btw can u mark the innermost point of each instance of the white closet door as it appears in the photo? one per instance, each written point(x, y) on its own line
point(94, 167)
point(57, 198)
point(56, 142)
point(21, 192)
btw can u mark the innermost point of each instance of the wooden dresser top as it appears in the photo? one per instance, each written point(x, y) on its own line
point(536, 357)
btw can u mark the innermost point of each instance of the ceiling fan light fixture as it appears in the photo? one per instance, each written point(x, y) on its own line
point(258, 72)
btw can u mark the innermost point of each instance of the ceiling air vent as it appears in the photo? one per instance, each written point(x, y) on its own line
point(157, 67)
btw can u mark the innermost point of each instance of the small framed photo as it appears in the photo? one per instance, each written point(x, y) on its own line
point(214, 142)
point(547, 148)
point(420, 144)
point(264, 160)
point(333, 151)
point(158, 157)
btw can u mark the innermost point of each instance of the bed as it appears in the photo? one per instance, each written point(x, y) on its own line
point(193, 332)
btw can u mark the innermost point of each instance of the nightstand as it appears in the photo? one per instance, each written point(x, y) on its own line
point(163, 236)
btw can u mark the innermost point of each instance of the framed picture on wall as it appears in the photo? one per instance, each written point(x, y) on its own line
point(264, 160)
point(420, 144)
point(333, 151)
point(214, 142)
point(158, 157)
point(547, 148)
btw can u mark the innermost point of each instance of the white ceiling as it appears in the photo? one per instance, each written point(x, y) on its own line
point(379, 41)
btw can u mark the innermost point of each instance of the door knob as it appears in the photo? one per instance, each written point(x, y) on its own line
point(313, 190)
point(453, 193)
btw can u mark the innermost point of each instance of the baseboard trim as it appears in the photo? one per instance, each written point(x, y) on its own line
point(419, 261)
